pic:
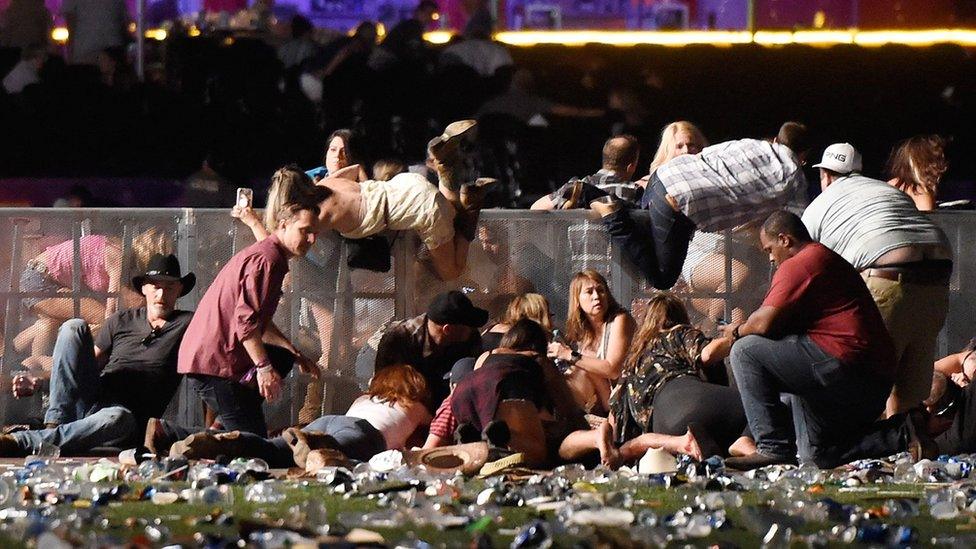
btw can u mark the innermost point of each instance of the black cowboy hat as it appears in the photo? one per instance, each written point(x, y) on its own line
point(165, 267)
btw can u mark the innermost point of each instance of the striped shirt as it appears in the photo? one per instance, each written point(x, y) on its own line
point(444, 423)
point(735, 182)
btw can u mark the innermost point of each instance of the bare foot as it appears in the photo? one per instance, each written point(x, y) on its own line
point(743, 446)
point(690, 446)
point(609, 456)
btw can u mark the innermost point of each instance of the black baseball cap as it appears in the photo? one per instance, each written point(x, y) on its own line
point(455, 308)
point(460, 369)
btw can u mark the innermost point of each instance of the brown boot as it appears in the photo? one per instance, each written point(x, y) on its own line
point(312, 407)
point(325, 457)
point(10, 448)
point(445, 152)
point(304, 442)
point(606, 205)
point(573, 196)
point(157, 441)
point(920, 444)
point(207, 445)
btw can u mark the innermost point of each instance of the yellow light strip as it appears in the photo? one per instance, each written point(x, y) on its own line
point(962, 37)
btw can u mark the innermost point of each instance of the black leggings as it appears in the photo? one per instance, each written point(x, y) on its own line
point(713, 411)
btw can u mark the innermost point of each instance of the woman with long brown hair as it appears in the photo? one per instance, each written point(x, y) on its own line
point(916, 167)
point(598, 333)
point(665, 398)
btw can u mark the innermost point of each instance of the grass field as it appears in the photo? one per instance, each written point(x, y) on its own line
point(125, 521)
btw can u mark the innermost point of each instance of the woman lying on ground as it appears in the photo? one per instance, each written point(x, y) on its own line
point(664, 398)
point(384, 418)
point(598, 333)
point(514, 397)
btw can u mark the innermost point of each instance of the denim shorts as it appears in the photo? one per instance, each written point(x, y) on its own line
point(35, 279)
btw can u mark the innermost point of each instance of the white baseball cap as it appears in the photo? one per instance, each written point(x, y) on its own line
point(842, 158)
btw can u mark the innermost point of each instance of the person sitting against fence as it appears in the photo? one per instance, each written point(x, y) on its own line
point(52, 271)
point(598, 334)
point(446, 221)
point(673, 394)
point(505, 399)
point(916, 167)
point(819, 338)
point(723, 186)
point(620, 155)
point(384, 418)
point(104, 388)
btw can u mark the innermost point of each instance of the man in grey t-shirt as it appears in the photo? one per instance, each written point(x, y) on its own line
point(903, 256)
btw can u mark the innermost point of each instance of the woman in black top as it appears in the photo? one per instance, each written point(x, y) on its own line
point(666, 397)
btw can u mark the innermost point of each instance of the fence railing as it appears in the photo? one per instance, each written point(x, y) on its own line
point(330, 311)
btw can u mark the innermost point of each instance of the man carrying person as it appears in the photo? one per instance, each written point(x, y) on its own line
point(104, 389)
point(818, 337)
point(724, 186)
point(903, 256)
point(233, 355)
point(620, 154)
point(434, 341)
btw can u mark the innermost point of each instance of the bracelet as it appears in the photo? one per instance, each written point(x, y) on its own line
point(264, 366)
point(575, 356)
point(735, 333)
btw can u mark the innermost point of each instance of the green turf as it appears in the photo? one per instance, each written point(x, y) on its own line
point(126, 519)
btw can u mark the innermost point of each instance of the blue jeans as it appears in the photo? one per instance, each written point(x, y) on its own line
point(111, 426)
point(655, 240)
point(356, 438)
point(74, 399)
point(833, 403)
point(74, 374)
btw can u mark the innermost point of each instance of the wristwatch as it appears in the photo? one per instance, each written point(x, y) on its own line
point(575, 356)
point(735, 333)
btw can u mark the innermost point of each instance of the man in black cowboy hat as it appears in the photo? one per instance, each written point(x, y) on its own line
point(103, 389)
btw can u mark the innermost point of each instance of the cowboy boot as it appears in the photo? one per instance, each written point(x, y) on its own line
point(302, 443)
point(445, 152)
point(209, 445)
point(472, 195)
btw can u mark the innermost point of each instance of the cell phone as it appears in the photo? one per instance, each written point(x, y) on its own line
point(245, 197)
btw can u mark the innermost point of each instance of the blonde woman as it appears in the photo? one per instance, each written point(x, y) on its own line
point(531, 306)
point(677, 138)
point(598, 334)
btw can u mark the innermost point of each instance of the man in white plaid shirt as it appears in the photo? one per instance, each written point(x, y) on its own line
point(724, 186)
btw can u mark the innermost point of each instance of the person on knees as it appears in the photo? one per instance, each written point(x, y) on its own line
point(233, 354)
point(104, 389)
point(817, 337)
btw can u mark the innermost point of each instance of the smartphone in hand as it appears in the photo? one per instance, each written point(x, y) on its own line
point(245, 197)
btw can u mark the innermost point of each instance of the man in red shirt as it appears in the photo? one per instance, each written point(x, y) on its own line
point(232, 341)
point(818, 337)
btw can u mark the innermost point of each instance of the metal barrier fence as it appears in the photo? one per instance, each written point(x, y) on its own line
point(331, 312)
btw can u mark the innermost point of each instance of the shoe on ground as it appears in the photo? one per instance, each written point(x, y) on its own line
point(303, 443)
point(157, 441)
point(209, 445)
point(9, 447)
point(325, 457)
point(757, 460)
point(920, 444)
point(606, 205)
point(472, 195)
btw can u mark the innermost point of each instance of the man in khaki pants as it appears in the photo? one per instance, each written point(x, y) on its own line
point(904, 258)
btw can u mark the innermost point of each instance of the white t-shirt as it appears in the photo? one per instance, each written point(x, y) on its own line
point(395, 421)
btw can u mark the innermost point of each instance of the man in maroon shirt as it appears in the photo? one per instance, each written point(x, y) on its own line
point(818, 337)
point(232, 340)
